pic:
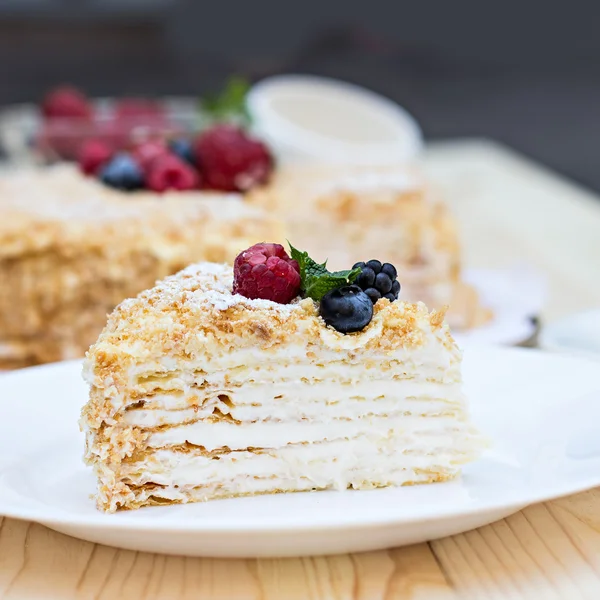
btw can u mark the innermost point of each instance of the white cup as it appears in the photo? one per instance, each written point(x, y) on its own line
point(315, 119)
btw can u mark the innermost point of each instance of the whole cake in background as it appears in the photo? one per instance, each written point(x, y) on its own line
point(78, 238)
point(274, 376)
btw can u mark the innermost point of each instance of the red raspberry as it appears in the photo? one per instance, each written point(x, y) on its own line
point(266, 271)
point(148, 151)
point(171, 173)
point(231, 161)
point(66, 102)
point(92, 155)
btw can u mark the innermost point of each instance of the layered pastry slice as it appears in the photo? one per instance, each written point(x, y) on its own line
point(197, 392)
point(72, 248)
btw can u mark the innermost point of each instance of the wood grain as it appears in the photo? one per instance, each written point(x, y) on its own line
point(508, 210)
point(38, 563)
point(512, 212)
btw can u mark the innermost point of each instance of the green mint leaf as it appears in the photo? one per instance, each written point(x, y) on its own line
point(317, 287)
point(350, 276)
point(316, 279)
point(300, 258)
point(230, 104)
point(308, 267)
point(315, 270)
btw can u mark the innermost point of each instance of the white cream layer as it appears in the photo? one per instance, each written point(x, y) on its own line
point(417, 430)
point(336, 463)
point(245, 486)
point(302, 372)
point(292, 402)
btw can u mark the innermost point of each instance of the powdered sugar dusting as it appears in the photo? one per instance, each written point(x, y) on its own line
point(207, 286)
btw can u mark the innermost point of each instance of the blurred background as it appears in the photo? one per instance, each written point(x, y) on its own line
point(525, 73)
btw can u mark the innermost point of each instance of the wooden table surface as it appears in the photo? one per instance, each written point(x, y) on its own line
point(511, 211)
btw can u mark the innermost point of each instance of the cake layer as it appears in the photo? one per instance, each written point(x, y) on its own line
point(364, 462)
point(214, 435)
point(328, 463)
point(292, 402)
point(155, 495)
point(240, 367)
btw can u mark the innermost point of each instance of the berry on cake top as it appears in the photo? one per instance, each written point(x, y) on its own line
point(266, 271)
point(66, 102)
point(223, 158)
point(105, 140)
point(347, 309)
point(231, 160)
point(346, 298)
point(378, 280)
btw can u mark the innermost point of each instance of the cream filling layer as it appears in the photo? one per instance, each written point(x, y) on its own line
point(267, 372)
point(249, 486)
point(423, 433)
point(291, 401)
point(331, 360)
point(329, 464)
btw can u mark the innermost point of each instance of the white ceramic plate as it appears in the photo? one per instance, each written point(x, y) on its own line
point(515, 295)
point(540, 411)
point(575, 334)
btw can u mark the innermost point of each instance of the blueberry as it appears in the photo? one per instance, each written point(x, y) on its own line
point(122, 172)
point(389, 270)
point(183, 148)
point(373, 294)
point(396, 288)
point(390, 297)
point(366, 278)
point(358, 265)
point(346, 309)
point(375, 265)
point(383, 283)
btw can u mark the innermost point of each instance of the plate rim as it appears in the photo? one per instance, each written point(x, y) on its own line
point(548, 336)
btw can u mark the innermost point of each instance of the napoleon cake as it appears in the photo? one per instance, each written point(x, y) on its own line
point(72, 248)
point(275, 375)
point(341, 212)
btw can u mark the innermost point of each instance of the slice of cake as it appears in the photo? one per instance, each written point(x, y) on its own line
point(72, 248)
point(223, 382)
point(391, 211)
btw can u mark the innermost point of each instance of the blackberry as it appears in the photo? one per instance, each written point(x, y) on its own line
point(373, 294)
point(375, 265)
point(378, 280)
point(347, 309)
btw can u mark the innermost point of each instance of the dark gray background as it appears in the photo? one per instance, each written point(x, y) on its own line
point(524, 72)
